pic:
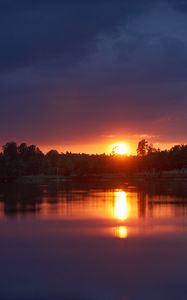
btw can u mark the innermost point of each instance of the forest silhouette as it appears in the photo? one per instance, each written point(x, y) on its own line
point(28, 160)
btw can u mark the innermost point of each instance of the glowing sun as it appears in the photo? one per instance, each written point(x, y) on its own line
point(120, 148)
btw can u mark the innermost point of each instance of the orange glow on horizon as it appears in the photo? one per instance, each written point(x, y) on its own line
point(118, 147)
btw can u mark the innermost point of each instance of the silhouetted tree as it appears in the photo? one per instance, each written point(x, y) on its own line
point(10, 150)
point(23, 151)
point(142, 148)
point(151, 149)
point(53, 160)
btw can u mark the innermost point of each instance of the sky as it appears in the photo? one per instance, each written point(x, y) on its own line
point(80, 75)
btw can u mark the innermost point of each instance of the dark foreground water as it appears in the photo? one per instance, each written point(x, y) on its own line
point(126, 242)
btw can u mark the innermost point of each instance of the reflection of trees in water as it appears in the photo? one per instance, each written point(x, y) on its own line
point(163, 187)
point(161, 205)
point(142, 204)
point(20, 199)
point(23, 199)
point(165, 195)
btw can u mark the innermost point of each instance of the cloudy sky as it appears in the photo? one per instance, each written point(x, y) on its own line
point(81, 74)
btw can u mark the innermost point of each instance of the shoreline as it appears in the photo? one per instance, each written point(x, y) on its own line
point(141, 176)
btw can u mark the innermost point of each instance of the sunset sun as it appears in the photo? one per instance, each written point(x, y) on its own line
point(120, 148)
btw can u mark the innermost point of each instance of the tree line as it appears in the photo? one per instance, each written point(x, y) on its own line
point(28, 160)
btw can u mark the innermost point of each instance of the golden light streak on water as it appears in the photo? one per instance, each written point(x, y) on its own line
point(121, 209)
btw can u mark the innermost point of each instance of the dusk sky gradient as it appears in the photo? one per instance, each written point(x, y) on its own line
point(80, 75)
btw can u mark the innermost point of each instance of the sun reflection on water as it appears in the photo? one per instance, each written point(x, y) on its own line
point(121, 232)
point(121, 210)
point(121, 213)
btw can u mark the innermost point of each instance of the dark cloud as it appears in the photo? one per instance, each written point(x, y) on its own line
point(44, 31)
point(180, 5)
point(77, 70)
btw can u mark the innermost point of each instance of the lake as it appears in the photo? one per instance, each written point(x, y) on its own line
point(125, 241)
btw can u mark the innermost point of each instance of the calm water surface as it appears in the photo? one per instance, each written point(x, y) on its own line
point(126, 241)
